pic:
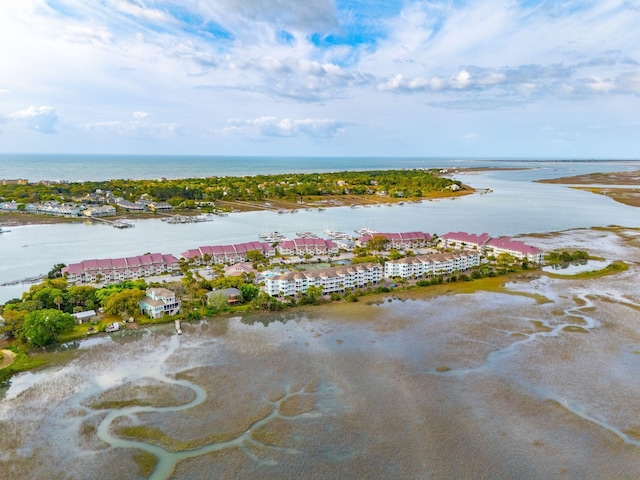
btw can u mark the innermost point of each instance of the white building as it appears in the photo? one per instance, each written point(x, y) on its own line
point(159, 302)
point(333, 279)
point(432, 264)
point(101, 211)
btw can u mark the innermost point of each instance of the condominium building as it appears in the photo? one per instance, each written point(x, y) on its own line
point(432, 264)
point(399, 241)
point(311, 246)
point(227, 254)
point(516, 248)
point(464, 241)
point(332, 279)
point(115, 270)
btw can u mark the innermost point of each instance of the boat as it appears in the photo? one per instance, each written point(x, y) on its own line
point(365, 231)
point(2, 230)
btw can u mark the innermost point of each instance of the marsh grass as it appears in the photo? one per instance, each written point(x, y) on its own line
point(539, 326)
point(296, 405)
point(574, 329)
point(275, 433)
point(146, 462)
point(153, 393)
point(611, 269)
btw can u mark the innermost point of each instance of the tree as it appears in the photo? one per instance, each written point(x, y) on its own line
point(42, 327)
point(377, 243)
point(56, 271)
point(249, 292)
point(254, 256)
point(124, 303)
point(313, 293)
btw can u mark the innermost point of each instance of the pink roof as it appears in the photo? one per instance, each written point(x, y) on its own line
point(467, 237)
point(118, 263)
point(217, 249)
point(156, 258)
point(515, 245)
point(133, 261)
point(206, 250)
point(90, 264)
point(190, 254)
point(169, 259)
point(106, 263)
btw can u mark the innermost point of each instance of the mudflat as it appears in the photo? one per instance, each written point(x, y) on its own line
point(623, 187)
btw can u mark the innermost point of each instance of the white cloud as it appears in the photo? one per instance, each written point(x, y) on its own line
point(139, 115)
point(134, 129)
point(285, 127)
point(41, 119)
point(599, 85)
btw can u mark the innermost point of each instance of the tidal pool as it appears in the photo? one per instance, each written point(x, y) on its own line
point(483, 385)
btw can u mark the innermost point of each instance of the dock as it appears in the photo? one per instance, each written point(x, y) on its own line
point(178, 329)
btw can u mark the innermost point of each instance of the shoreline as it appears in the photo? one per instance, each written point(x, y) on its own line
point(237, 206)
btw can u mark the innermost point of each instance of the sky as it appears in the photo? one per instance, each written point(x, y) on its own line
point(455, 78)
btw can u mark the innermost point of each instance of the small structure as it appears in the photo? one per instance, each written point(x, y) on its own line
point(231, 295)
point(82, 317)
point(112, 327)
point(159, 302)
point(178, 329)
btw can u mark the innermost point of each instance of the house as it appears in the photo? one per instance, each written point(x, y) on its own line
point(231, 295)
point(159, 302)
point(102, 211)
point(238, 269)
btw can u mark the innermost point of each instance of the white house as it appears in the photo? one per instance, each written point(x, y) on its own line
point(159, 302)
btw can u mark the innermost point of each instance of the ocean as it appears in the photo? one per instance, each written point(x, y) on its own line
point(79, 167)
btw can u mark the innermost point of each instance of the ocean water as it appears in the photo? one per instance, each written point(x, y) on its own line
point(77, 167)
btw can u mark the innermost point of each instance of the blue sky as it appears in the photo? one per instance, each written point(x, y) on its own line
point(481, 78)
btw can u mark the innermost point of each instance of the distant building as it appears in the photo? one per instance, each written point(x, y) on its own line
point(102, 211)
point(311, 246)
point(227, 254)
point(17, 181)
point(159, 302)
point(399, 241)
